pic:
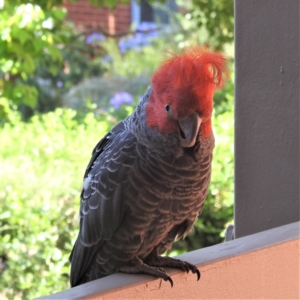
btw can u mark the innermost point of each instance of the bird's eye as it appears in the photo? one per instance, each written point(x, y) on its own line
point(167, 107)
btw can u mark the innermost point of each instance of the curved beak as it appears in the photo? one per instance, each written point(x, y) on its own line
point(188, 130)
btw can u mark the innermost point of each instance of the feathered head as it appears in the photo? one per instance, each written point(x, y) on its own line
point(182, 94)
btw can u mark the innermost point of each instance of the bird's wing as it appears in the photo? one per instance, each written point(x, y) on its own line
point(101, 205)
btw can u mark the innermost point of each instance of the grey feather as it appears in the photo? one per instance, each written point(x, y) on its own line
point(141, 191)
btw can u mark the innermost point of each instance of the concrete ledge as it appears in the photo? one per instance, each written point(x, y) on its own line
point(264, 265)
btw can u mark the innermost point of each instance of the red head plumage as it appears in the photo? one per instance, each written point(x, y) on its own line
point(186, 83)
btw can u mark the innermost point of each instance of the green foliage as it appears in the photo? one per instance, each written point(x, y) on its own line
point(137, 61)
point(43, 160)
point(100, 90)
point(34, 32)
point(44, 4)
point(41, 173)
point(208, 22)
point(29, 37)
point(77, 66)
point(217, 18)
point(36, 42)
point(130, 72)
point(41, 170)
point(49, 4)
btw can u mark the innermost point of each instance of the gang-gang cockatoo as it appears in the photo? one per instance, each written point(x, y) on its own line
point(148, 177)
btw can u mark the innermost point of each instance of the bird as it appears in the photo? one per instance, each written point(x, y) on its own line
point(148, 177)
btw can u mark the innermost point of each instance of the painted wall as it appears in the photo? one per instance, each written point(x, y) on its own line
point(270, 273)
point(265, 265)
point(267, 56)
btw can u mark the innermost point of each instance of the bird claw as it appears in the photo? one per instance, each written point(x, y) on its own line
point(195, 270)
point(153, 267)
point(170, 280)
point(158, 261)
point(137, 266)
point(198, 274)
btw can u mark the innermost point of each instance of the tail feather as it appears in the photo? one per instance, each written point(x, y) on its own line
point(82, 259)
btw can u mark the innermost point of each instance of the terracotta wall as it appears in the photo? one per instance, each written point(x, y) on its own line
point(265, 265)
point(87, 16)
point(271, 273)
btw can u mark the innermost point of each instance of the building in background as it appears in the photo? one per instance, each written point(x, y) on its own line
point(117, 21)
point(87, 17)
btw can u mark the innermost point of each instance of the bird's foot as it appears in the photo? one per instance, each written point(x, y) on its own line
point(137, 266)
point(164, 261)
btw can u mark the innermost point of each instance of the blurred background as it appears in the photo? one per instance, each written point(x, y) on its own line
point(69, 71)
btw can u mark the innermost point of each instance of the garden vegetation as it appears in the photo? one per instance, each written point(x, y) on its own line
point(58, 96)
